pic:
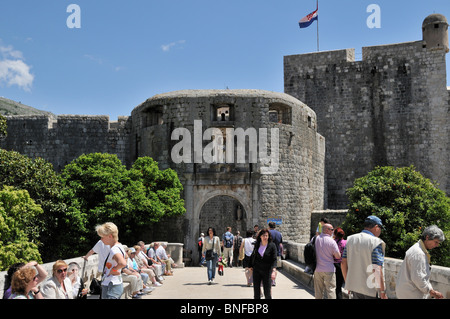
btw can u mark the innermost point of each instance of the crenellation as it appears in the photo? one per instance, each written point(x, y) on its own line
point(60, 139)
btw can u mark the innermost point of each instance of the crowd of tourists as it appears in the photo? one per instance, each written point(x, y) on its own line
point(357, 263)
point(259, 253)
point(142, 267)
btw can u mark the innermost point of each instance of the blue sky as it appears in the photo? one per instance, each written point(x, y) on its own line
point(128, 51)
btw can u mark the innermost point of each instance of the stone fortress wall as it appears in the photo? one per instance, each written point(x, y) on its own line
point(61, 139)
point(390, 108)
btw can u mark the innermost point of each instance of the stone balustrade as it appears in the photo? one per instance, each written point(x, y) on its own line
point(294, 264)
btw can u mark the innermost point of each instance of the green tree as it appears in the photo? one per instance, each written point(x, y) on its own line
point(406, 202)
point(164, 187)
point(18, 230)
point(99, 188)
point(40, 180)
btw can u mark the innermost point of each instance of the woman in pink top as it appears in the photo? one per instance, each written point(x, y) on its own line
point(340, 241)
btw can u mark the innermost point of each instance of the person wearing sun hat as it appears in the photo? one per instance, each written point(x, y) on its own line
point(362, 261)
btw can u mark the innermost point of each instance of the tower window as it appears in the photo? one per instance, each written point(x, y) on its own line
point(153, 116)
point(222, 113)
point(280, 113)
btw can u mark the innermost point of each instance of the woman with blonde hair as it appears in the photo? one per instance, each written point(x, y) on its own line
point(59, 286)
point(112, 285)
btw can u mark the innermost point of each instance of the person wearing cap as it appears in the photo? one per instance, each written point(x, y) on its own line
point(413, 279)
point(362, 261)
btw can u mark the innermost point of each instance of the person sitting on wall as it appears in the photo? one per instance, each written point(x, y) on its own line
point(151, 253)
point(149, 261)
point(59, 286)
point(144, 267)
point(161, 254)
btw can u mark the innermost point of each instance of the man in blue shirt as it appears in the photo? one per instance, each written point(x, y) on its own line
point(227, 242)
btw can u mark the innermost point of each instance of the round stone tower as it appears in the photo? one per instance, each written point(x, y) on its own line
point(268, 162)
point(435, 32)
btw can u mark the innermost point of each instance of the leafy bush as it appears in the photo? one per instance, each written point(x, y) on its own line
point(406, 202)
point(40, 180)
point(18, 230)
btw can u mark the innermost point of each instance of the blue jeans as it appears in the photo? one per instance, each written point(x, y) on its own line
point(211, 267)
point(112, 291)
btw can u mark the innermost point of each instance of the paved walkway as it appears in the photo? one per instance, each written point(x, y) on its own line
point(192, 283)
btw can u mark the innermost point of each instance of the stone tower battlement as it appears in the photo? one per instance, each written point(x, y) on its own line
point(214, 191)
point(390, 108)
point(61, 139)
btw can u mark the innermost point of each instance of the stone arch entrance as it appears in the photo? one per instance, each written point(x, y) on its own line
point(222, 211)
point(217, 206)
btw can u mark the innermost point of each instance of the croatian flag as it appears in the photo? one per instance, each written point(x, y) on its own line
point(310, 18)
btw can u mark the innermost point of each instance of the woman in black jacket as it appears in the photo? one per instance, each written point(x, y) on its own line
point(264, 263)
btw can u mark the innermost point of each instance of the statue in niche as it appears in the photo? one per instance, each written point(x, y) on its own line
point(239, 212)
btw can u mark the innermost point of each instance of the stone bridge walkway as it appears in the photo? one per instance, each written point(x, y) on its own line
point(192, 283)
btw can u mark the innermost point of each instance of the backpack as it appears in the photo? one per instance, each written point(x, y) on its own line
point(228, 241)
point(310, 254)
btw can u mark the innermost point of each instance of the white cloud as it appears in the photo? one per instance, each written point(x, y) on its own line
point(167, 47)
point(93, 58)
point(13, 69)
point(103, 62)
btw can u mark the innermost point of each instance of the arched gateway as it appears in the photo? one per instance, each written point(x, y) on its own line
point(220, 212)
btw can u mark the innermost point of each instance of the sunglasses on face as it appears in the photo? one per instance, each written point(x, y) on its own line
point(59, 271)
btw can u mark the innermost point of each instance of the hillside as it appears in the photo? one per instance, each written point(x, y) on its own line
point(10, 107)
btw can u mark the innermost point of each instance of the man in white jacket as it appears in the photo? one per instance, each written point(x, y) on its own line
point(413, 280)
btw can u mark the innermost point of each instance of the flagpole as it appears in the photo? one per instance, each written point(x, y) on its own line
point(317, 8)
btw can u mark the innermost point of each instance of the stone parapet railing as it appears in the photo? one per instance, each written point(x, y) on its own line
point(295, 265)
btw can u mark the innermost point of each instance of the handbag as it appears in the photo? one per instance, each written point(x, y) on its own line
point(209, 254)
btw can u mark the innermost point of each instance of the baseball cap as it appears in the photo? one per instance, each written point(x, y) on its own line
point(376, 220)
